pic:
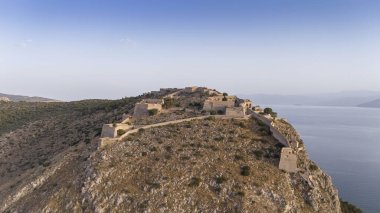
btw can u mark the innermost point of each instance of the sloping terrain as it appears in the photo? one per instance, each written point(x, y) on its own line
point(49, 162)
point(39, 137)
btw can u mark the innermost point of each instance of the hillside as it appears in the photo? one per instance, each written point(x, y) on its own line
point(371, 104)
point(52, 158)
point(24, 98)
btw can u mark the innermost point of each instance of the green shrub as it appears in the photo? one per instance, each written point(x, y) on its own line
point(268, 110)
point(245, 170)
point(213, 112)
point(313, 167)
point(152, 112)
point(224, 98)
point(196, 105)
point(121, 132)
point(194, 182)
point(220, 179)
point(210, 118)
point(240, 193)
point(265, 130)
point(225, 94)
point(239, 157)
point(258, 154)
point(220, 112)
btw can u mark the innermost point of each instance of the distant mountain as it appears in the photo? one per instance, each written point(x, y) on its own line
point(373, 104)
point(16, 98)
point(350, 98)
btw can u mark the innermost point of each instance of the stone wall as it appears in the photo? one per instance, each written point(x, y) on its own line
point(110, 130)
point(218, 105)
point(275, 133)
point(142, 109)
point(288, 160)
point(103, 142)
point(235, 111)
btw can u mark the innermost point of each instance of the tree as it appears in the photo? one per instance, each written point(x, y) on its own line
point(268, 110)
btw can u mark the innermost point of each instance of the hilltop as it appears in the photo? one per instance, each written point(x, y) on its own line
point(7, 97)
point(173, 150)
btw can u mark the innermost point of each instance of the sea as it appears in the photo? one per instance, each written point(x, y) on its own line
point(345, 143)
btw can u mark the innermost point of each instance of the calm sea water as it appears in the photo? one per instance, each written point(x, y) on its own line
point(345, 142)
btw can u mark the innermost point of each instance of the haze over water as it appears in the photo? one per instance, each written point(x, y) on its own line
point(345, 142)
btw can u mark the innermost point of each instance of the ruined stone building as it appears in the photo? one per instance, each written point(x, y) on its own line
point(288, 160)
point(228, 105)
point(142, 108)
point(110, 130)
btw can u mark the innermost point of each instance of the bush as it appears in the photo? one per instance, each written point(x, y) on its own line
point(258, 154)
point(196, 105)
point(265, 130)
point(194, 182)
point(121, 132)
point(245, 170)
point(213, 112)
point(239, 157)
point(313, 167)
point(224, 98)
point(210, 118)
point(220, 179)
point(220, 112)
point(268, 110)
point(240, 193)
point(225, 94)
point(152, 112)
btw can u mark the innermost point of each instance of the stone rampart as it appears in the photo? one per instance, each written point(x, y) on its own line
point(288, 160)
point(276, 134)
point(142, 109)
point(217, 105)
point(235, 111)
point(110, 130)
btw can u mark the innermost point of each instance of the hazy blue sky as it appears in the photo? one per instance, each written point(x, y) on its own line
point(74, 49)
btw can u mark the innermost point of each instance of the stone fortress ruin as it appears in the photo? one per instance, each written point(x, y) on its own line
point(145, 106)
point(200, 103)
